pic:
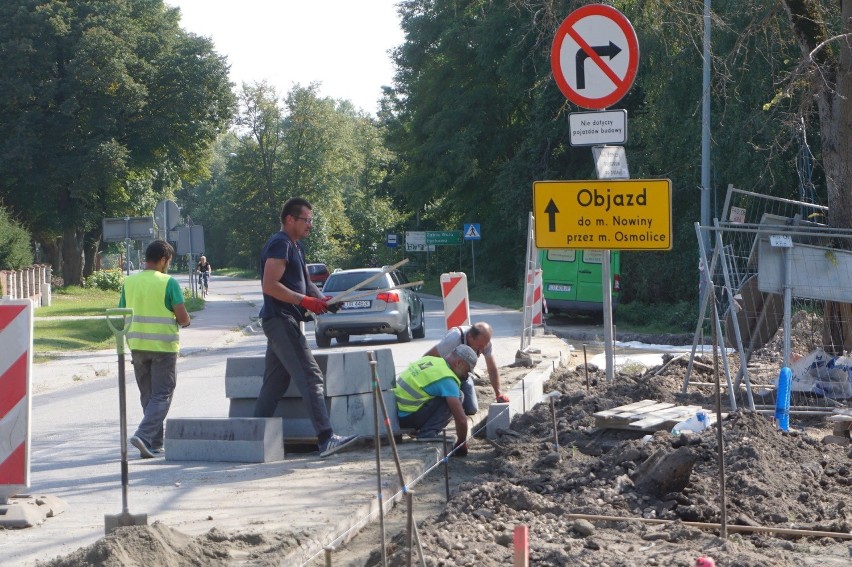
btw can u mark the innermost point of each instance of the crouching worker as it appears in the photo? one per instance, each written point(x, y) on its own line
point(428, 395)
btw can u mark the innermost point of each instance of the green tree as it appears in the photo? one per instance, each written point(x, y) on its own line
point(15, 243)
point(822, 84)
point(475, 118)
point(103, 107)
point(303, 145)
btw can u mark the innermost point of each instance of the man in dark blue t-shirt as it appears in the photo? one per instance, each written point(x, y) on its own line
point(288, 294)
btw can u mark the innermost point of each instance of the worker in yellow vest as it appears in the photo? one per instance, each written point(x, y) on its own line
point(158, 309)
point(428, 394)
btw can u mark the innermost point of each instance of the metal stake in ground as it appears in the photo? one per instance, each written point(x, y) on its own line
point(377, 389)
point(113, 521)
point(552, 396)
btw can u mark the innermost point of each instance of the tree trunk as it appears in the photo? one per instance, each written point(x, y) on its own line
point(51, 254)
point(90, 249)
point(72, 256)
point(831, 76)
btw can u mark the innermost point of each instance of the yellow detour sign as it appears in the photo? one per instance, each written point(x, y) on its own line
point(604, 214)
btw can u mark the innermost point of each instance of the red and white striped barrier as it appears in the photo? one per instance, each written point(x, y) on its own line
point(456, 304)
point(16, 336)
point(537, 299)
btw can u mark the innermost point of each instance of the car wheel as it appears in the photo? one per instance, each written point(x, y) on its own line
point(420, 332)
point(343, 340)
point(404, 335)
point(323, 341)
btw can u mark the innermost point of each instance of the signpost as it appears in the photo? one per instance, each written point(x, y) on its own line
point(392, 240)
point(472, 232)
point(127, 229)
point(610, 162)
point(444, 237)
point(595, 128)
point(167, 216)
point(606, 214)
point(415, 241)
point(595, 56)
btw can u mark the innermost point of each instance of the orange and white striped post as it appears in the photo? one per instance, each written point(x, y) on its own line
point(536, 300)
point(16, 336)
point(456, 304)
point(521, 537)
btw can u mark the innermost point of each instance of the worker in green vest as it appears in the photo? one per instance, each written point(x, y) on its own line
point(158, 309)
point(428, 395)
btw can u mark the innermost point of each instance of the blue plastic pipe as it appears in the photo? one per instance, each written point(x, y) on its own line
point(782, 400)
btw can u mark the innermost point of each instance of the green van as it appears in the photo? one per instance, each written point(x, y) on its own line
point(571, 280)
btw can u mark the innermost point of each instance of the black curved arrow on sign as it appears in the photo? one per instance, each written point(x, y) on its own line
point(610, 51)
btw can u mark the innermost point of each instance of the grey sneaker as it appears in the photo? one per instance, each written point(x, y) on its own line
point(335, 443)
point(144, 451)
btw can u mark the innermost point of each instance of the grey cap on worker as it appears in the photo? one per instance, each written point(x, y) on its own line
point(467, 354)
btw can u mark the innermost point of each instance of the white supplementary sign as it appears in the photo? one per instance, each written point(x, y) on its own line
point(738, 215)
point(598, 128)
point(415, 241)
point(595, 56)
point(611, 162)
point(781, 241)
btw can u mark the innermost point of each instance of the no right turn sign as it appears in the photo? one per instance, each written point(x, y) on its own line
point(595, 56)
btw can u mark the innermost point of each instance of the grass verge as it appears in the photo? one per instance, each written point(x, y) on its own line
point(88, 330)
point(78, 301)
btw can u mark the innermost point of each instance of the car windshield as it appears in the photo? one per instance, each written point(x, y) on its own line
point(341, 282)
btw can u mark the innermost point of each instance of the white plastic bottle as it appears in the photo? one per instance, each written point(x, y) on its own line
point(695, 424)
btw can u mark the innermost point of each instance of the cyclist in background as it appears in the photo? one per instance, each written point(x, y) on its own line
point(204, 269)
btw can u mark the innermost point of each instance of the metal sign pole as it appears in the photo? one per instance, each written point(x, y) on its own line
point(473, 261)
point(127, 245)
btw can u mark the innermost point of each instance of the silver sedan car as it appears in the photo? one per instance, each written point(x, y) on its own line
point(377, 307)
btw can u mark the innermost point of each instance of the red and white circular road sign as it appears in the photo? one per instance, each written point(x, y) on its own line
point(595, 56)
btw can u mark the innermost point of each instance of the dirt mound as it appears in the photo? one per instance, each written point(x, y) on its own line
point(160, 545)
point(601, 498)
point(572, 498)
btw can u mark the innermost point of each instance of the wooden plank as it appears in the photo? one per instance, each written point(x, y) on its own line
point(640, 412)
point(647, 415)
point(657, 422)
point(619, 409)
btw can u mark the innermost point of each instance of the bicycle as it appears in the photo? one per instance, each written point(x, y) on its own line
point(204, 283)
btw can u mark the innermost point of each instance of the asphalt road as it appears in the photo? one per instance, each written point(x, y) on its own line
point(74, 422)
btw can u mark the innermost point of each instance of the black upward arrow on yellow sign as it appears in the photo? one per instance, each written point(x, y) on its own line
point(551, 211)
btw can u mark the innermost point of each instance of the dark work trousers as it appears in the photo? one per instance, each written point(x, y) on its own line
point(288, 357)
point(430, 419)
point(156, 376)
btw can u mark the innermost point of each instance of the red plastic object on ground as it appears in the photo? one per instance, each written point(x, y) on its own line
point(705, 561)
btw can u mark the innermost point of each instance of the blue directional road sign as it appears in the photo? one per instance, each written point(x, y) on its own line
point(472, 232)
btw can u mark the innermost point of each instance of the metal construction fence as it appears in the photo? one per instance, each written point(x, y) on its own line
point(778, 293)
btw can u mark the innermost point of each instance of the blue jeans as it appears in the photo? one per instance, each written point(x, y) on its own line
point(156, 376)
point(289, 357)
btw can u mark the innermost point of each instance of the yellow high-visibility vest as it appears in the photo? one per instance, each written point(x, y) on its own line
point(153, 327)
point(410, 390)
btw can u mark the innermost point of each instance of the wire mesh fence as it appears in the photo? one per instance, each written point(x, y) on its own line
point(778, 293)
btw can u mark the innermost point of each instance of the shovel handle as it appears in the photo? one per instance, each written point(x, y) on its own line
point(112, 318)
